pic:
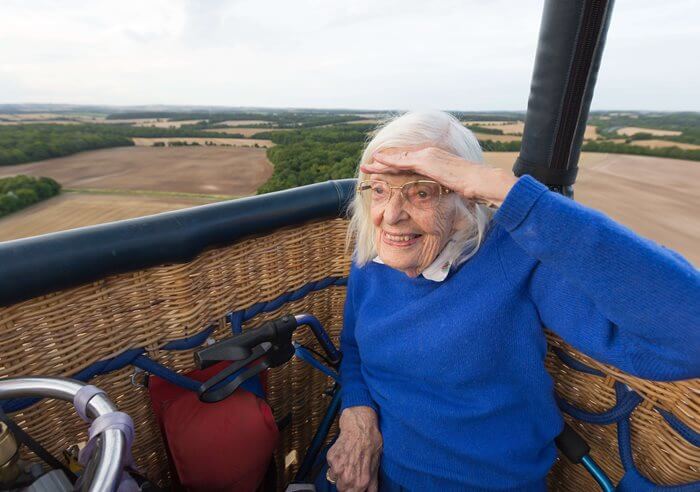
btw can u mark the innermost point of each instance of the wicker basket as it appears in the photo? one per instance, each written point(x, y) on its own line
point(64, 332)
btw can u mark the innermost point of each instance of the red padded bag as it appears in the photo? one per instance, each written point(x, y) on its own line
point(223, 446)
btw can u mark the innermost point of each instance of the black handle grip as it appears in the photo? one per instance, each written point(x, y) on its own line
point(572, 445)
point(278, 332)
point(237, 347)
point(271, 343)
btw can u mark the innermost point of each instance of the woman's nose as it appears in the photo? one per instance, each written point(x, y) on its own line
point(394, 209)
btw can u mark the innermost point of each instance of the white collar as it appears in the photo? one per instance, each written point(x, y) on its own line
point(437, 271)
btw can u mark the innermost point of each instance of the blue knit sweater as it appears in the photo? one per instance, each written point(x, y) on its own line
point(455, 369)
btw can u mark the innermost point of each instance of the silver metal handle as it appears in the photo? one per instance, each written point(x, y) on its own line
point(109, 466)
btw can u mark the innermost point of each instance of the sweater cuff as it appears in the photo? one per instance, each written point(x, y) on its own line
point(519, 201)
point(357, 397)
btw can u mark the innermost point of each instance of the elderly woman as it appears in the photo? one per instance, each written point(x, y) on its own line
point(443, 378)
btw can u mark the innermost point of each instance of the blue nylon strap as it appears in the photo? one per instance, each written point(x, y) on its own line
point(189, 342)
point(166, 373)
point(690, 435)
point(99, 367)
point(278, 302)
point(136, 358)
point(235, 319)
point(253, 385)
point(131, 356)
point(576, 364)
point(633, 481)
point(627, 401)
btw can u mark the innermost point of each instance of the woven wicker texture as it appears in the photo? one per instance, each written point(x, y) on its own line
point(66, 331)
point(62, 333)
point(660, 453)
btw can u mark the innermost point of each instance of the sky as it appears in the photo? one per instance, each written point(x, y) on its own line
point(362, 54)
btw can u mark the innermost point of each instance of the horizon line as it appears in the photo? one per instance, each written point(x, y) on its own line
point(310, 108)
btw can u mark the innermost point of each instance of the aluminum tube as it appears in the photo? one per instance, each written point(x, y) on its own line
point(109, 467)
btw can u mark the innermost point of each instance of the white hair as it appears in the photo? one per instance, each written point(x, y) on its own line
point(441, 130)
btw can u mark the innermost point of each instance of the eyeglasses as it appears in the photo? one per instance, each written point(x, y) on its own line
point(422, 194)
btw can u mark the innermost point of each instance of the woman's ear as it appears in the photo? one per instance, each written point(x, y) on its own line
point(461, 221)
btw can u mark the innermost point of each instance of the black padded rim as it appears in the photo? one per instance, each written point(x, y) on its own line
point(39, 265)
point(569, 51)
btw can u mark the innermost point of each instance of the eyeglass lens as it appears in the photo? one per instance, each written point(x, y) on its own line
point(419, 194)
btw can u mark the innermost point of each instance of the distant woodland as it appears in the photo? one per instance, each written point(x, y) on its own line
point(308, 156)
point(623, 148)
point(19, 192)
point(312, 155)
point(35, 142)
point(318, 145)
point(282, 119)
point(686, 122)
point(303, 157)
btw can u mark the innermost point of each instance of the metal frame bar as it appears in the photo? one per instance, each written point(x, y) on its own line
point(109, 466)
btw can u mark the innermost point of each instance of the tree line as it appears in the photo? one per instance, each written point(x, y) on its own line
point(619, 148)
point(35, 142)
point(18, 192)
point(687, 122)
point(307, 156)
point(302, 157)
point(272, 119)
point(485, 129)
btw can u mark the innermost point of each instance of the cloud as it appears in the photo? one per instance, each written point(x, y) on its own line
point(312, 53)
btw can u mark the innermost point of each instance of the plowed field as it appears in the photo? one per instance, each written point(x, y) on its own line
point(71, 210)
point(655, 197)
point(211, 170)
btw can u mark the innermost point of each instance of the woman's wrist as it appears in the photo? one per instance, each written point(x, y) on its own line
point(358, 417)
point(493, 186)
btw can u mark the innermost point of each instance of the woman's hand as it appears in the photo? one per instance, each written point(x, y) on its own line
point(353, 461)
point(473, 181)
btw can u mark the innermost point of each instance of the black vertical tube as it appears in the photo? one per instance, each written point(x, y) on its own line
point(570, 47)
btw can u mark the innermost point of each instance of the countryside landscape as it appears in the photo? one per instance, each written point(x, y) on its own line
point(101, 164)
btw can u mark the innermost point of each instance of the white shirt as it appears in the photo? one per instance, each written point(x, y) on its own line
point(437, 271)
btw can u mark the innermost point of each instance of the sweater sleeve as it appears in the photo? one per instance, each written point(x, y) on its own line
point(354, 392)
point(610, 293)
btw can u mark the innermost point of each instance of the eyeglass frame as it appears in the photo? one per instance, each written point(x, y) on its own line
point(443, 190)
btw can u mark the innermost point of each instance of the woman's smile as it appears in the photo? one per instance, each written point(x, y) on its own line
point(397, 222)
point(400, 240)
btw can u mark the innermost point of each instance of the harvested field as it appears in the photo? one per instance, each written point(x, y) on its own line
point(166, 124)
point(517, 128)
point(246, 132)
point(71, 210)
point(633, 130)
point(497, 138)
point(511, 128)
point(664, 143)
point(614, 140)
point(487, 123)
point(591, 133)
point(43, 122)
point(131, 121)
point(211, 170)
point(231, 142)
point(655, 197)
point(365, 122)
point(45, 117)
point(507, 127)
point(243, 122)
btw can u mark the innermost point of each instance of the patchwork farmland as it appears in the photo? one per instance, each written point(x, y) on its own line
point(654, 196)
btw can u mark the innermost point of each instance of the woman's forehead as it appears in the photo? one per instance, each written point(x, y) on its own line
point(397, 179)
